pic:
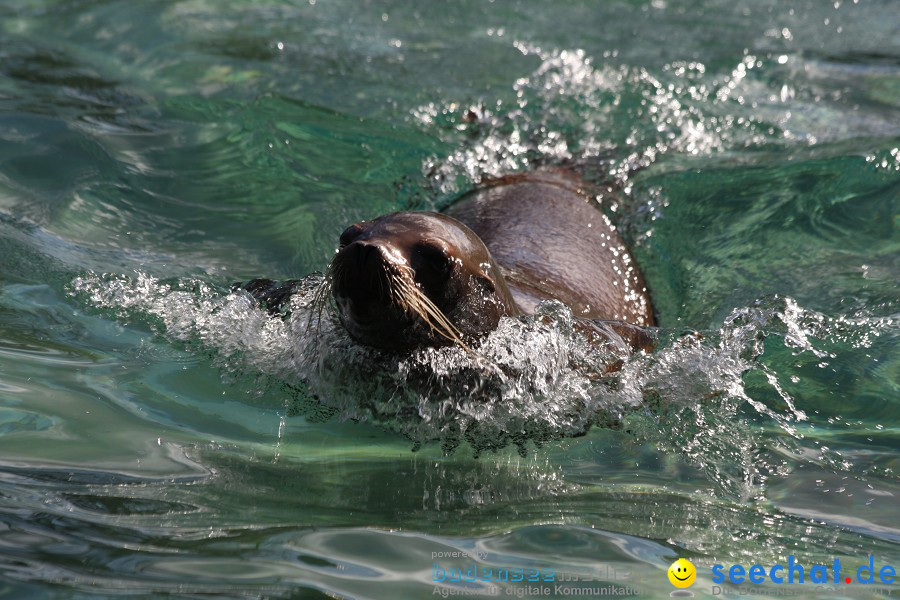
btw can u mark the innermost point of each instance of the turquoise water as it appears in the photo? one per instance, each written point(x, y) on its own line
point(158, 435)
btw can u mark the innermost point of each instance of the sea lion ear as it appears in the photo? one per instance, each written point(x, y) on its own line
point(486, 283)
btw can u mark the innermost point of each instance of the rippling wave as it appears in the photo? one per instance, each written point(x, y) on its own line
point(161, 435)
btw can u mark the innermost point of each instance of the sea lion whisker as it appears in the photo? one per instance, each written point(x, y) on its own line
point(382, 282)
point(335, 270)
point(436, 320)
point(320, 300)
point(397, 296)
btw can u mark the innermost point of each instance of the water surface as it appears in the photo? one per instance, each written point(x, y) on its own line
point(157, 436)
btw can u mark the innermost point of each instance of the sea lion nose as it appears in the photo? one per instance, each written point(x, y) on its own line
point(351, 233)
point(364, 259)
point(363, 275)
point(368, 256)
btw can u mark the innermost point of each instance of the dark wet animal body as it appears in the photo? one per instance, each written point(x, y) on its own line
point(552, 241)
point(412, 279)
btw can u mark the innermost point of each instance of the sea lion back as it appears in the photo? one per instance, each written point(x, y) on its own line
point(552, 241)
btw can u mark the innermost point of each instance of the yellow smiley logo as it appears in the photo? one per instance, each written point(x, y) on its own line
point(682, 573)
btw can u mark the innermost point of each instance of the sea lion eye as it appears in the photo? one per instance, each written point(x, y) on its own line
point(351, 233)
point(436, 257)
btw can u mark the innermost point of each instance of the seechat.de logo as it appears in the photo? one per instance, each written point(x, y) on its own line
point(682, 574)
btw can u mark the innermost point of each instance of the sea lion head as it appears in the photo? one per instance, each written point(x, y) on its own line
point(411, 279)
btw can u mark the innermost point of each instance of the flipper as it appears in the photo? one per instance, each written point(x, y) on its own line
point(274, 296)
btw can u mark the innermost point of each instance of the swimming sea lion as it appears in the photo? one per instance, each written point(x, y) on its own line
point(411, 279)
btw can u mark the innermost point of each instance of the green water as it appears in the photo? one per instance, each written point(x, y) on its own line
point(154, 436)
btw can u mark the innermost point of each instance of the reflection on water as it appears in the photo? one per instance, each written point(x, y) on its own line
point(159, 435)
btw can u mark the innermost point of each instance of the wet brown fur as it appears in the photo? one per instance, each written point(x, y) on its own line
point(417, 278)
